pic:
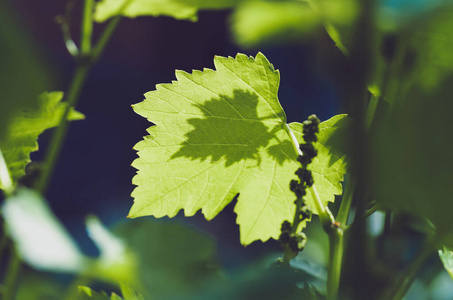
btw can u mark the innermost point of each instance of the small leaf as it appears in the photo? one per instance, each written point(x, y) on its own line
point(220, 133)
point(23, 131)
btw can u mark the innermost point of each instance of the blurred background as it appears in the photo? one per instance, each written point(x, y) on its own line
point(94, 173)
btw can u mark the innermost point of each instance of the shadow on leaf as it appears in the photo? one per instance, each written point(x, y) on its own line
point(230, 130)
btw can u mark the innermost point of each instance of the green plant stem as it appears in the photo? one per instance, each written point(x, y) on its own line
point(71, 97)
point(56, 144)
point(368, 213)
point(325, 216)
point(65, 21)
point(12, 273)
point(87, 27)
point(104, 38)
point(336, 247)
point(345, 205)
point(371, 111)
point(296, 220)
point(402, 285)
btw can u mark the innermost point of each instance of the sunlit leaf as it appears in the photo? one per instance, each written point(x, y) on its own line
point(22, 133)
point(220, 133)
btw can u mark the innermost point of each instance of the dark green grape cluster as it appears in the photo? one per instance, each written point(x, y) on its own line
point(289, 238)
point(294, 241)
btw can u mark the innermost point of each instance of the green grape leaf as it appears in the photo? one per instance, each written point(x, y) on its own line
point(220, 133)
point(446, 256)
point(22, 133)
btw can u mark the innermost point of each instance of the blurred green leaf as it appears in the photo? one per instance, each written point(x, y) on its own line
point(446, 256)
point(272, 22)
point(38, 286)
point(211, 4)
point(175, 260)
point(40, 238)
point(264, 279)
point(433, 43)
point(86, 293)
point(411, 159)
point(20, 138)
point(106, 9)
point(129, 293)
point(23, 74)
point(116, 261)
point(178, 9)
point(44, 243)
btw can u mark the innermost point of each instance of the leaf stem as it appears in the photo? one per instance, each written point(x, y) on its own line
point(65, 21)
point(104, 38)
point(87, 27)
point(345, 205)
